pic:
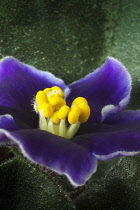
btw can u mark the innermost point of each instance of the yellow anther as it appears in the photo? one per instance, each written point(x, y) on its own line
point(63, 112)
point(76, 109)
point(46, 109)
point(55, 118)
point(56, 88)
point(73, 115)
point(40, 106)
point(61, 93)
point(46, 90)
point(54, 91)
point(85, 112)
point(41, 97)
point(57, 101)
point(78, 101)
point(50, 104)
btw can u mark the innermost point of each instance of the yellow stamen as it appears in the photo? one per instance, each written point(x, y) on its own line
point(46, 90)
point(55, 118)
point(74, 115)
point(63, 112)
point(78, 101)
point(85, 112)
point(46, 109)
point(61, 93)
point(41, 97)
point(55, 91)
point(79, 111)
point(55, 115)
point(57, 101)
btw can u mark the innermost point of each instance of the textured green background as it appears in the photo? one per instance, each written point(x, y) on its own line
point(71, 38)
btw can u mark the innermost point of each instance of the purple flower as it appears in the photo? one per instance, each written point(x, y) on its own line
point(107, 133)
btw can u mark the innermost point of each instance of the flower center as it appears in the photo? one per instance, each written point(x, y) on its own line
point(58, 118)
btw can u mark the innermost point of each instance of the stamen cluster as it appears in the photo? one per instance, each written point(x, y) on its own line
point(55, 115)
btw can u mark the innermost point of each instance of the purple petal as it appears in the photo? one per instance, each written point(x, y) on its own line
point(108, 85)
point(109, 140)
point(124, 118)
point(114, 122)
point(7, 122)
point(20, 82)
point(59, 154)
point(23, 118)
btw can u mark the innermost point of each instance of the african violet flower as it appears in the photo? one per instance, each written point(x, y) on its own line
point(67, 128)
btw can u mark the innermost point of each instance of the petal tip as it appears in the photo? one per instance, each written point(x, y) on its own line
point(116, 64)
point(7, 58)
point(112, 60)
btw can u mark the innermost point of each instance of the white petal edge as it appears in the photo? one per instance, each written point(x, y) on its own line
point(9, 136)
point(115, 154)
point(112, 109)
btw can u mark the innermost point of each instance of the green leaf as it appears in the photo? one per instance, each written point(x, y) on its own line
point(119, 189)
point(22, 187)
point(72, 38)
point(64, 37)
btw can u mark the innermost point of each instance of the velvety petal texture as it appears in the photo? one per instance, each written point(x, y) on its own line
point(23, 118)
point(127, 117)
point(121, 137)
point(59, 154)
point(19, 83)
point(107, 89)
point(7, 122)
point(109, 132)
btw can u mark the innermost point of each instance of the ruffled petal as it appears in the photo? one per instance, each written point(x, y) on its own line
point(108, 85)
point(20, 82)
point(59, 154)
point(106, 141)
